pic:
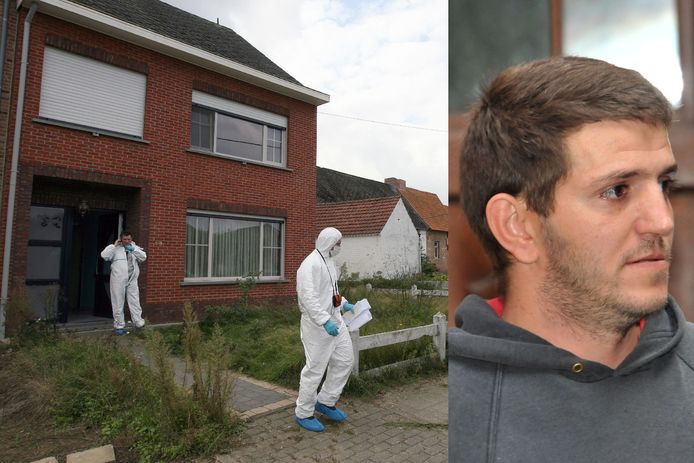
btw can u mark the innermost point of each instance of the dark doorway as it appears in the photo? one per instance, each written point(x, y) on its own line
point(107, 224)
point(67, 280)
point(88, 294)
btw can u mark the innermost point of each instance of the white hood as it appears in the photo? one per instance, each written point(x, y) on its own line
point(327, 238)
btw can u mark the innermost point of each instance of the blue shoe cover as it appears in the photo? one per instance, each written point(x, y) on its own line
point(311, 423)
point(119, 332)
point(331, 413)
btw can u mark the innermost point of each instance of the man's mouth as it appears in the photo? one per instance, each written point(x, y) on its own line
point(653, 261)
point(653, 257)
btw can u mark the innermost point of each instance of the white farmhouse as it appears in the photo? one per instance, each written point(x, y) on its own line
point(378, 236)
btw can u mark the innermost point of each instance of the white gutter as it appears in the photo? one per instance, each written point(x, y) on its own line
point(13, 172)
point(100, 22)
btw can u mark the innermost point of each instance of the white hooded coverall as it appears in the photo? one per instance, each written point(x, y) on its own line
point(123, 283)
point(314, 287)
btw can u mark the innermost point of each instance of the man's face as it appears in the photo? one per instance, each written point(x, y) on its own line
point(607, 242)
point(126, 240)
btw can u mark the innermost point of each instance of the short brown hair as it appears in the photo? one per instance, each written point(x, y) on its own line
point(515, 141)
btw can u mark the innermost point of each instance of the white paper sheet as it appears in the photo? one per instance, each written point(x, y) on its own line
point(360, 317)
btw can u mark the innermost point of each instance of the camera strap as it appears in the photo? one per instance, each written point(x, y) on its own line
point(334, 283)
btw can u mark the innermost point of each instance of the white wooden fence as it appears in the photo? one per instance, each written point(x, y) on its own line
point(414, 291)
point(437, 330)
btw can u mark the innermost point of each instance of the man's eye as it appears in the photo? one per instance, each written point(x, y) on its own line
point(615, 192)
point(668, 185)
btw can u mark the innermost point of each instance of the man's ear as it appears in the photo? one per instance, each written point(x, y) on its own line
point(509, 221)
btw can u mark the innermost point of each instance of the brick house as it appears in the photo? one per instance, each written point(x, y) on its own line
point(133, 114)
point(430, 216)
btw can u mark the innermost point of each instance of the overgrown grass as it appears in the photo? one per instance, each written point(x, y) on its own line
point(432, 281)
point(267, 345)
point(97, 384)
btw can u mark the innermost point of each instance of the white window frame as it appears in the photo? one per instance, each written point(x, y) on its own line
point(224, 215)
point(244, 112)
point(437, 249)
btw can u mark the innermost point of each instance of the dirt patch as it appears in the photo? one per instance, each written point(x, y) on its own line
point(27, 431)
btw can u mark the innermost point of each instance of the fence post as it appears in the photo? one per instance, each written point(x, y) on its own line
point(355, 349)
point(440, 337)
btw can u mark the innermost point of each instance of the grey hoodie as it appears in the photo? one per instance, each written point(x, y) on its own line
point(513, 397)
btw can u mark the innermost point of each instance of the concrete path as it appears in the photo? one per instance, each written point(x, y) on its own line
point(250, 398)
point(405, 424)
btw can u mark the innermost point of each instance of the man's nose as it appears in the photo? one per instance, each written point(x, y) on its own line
point(655, 213)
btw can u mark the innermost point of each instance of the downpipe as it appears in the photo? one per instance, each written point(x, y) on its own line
point(15, 166)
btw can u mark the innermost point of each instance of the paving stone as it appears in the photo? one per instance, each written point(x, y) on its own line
point(46, 460)
point(103, 454)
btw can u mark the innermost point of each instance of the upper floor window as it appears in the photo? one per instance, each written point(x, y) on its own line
point(228, 247)
point(92, 94)
point(238, 131)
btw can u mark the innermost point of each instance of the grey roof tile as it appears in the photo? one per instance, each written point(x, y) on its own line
point(333, 186)
point(169, 21)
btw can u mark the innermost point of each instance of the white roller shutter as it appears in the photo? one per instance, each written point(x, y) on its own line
point(87, 92)
point(239, 109)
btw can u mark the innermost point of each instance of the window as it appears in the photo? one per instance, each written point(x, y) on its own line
point(437, 249)
point(45, 259)
point(92, 94)
point(221, 247)
point(238, 131)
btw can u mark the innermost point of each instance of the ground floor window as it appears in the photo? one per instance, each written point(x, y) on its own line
point(437, 249)
point(231, 247)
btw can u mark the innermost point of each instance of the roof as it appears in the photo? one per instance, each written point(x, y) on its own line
point(167, 20)
point(362, 217)
point(333, 186)
point(166, 29)
point(428, 207)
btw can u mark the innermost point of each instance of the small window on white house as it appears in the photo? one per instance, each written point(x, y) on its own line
point(226, 247)
point(437, 249)
point(237, 130)
point(92, 94)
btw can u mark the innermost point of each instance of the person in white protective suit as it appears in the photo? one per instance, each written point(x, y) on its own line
point(124, 256)
point(324, 334)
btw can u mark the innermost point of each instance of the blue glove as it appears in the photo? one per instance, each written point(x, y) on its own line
point(348, 307)
point(331, 328)
point(129, 247)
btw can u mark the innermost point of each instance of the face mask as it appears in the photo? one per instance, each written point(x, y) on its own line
point(334, 251)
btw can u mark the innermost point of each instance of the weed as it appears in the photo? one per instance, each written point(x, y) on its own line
point(428, 267)
point(208, 361)
point(21, 322)
point(246, 285)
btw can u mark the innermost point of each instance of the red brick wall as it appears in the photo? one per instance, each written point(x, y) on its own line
point(442, 262)
point(7, 74)
point(170, 177)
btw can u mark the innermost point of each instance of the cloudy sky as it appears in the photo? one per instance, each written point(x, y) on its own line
point(384, 65)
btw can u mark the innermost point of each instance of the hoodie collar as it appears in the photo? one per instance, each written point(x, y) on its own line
point(485, 336)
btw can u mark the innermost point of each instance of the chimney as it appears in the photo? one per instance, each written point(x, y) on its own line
point(396, 182)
